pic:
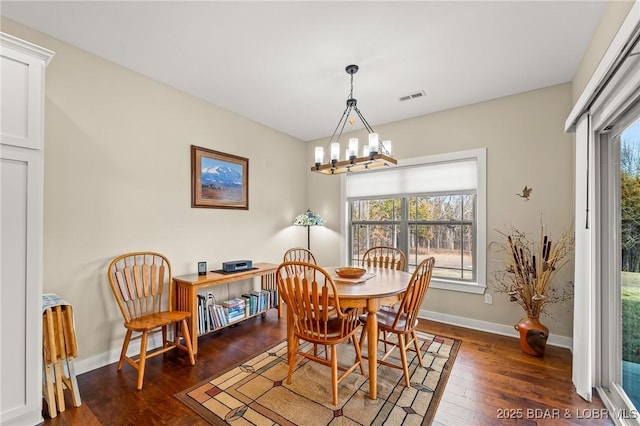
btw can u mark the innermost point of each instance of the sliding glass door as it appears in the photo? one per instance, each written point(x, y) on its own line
point(629, 144)
point(620, 251)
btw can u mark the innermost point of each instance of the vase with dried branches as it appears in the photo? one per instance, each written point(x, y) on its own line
point(528, 280)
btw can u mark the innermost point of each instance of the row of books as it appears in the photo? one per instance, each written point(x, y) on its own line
point(212, 315)
point(260, 300)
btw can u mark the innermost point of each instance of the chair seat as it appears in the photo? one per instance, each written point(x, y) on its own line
point(157, 319)
point(334, 331)
point(387, 318)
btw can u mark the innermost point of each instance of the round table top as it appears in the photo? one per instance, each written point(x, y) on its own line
point(383, 282)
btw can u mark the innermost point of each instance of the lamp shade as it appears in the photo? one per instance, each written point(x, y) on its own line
point(308, 218)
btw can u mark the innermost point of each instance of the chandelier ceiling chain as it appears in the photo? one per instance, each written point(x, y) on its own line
point(375, 154)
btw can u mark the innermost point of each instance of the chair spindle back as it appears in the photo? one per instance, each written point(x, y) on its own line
point(384, 257)
point(298, 254)
point(409, 307)
point(138, 280)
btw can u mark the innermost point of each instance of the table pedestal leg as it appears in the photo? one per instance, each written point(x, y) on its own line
point(372, 347)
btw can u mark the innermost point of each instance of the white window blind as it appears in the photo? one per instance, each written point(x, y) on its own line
point(446, 176)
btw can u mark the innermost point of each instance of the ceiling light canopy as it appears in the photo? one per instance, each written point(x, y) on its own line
point(375, 153)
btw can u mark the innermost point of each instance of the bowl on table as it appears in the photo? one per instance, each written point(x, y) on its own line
point(350, 272)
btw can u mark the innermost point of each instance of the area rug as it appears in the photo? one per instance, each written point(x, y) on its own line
point(256, 391)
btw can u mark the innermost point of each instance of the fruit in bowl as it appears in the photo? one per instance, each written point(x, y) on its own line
point(350, 272)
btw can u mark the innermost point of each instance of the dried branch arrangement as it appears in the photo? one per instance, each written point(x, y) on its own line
point(530, 268)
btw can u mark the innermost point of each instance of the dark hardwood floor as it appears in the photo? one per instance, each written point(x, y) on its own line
point(492, 382)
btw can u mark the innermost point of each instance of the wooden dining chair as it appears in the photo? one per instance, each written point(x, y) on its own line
point(299, 254)
point(317, 318)
point(140, 281)
point(384, 257)
point(402, 320)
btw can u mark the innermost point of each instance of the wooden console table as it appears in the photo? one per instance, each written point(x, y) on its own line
point(187, 287)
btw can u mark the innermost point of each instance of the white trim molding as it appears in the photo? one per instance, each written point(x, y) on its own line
point(41, 53)
point(491, 327)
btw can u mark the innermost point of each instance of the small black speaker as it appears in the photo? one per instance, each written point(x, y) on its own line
point(237, 265)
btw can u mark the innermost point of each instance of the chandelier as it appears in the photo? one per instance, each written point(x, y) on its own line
point(375, 153)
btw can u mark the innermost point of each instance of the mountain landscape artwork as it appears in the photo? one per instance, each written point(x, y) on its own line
point(218, 180)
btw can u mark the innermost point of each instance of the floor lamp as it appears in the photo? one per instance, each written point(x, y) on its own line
point(308, 219)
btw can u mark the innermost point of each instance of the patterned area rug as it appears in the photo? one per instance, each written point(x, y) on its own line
point(256, 392)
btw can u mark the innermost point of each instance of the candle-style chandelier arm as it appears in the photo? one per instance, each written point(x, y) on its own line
point(364, 121)
point(343, 121)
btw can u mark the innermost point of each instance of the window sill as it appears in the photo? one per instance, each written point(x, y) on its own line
point(464, 287)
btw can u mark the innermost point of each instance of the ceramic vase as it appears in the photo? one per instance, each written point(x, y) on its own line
point(533, 336)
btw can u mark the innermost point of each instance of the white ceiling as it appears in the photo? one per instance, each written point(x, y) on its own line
point(282, 63)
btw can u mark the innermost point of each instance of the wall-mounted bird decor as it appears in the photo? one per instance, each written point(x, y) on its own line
point(526, 193)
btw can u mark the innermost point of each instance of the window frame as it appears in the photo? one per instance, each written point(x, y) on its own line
point(477, 286)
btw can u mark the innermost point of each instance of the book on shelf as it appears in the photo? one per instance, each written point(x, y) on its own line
point(221, 315)
point(201, 300)
point(235, 313)
point(236, 318)
point(259, 299)
point(264, 299)
point(235, 310)
point(232, 303)
point(253, 304)
point(217, 316)
point(213, 317)
point(247, 305)
point(210, 300)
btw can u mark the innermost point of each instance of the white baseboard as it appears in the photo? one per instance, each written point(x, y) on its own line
point(491, 327)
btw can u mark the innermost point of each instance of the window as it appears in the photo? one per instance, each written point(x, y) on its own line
point(443, 226)
point(374, 223)
point(430, 206)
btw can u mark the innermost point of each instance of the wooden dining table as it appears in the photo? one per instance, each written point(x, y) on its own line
point(384, 287)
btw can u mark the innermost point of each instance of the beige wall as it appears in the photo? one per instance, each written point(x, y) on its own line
point(613, 16)
point(117, 179)
point(525, 144)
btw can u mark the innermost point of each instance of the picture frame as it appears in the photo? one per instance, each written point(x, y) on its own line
point(219, 180)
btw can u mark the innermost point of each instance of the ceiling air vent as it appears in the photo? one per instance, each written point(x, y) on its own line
point(412, 96)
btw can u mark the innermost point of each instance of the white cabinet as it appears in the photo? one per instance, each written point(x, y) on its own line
point(22, 67)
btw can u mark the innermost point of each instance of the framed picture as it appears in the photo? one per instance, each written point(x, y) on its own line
point(219, 180)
